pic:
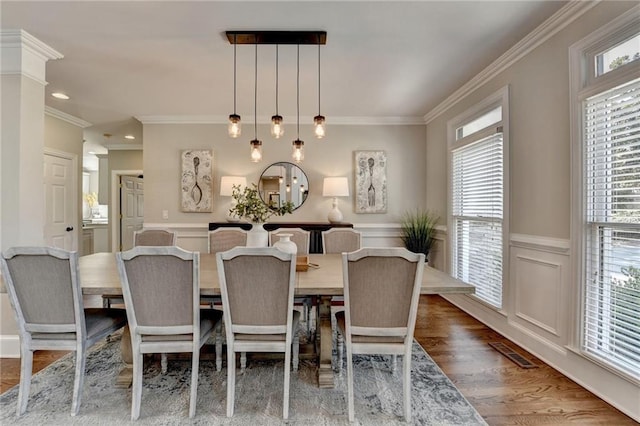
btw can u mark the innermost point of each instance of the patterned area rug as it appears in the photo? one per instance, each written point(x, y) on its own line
point(165, 398)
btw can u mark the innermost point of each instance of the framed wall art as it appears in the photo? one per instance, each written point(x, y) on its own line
point(371, 181)
point(196, 182)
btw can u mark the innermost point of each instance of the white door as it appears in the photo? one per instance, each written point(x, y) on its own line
point(60, 201)
point(131, 209)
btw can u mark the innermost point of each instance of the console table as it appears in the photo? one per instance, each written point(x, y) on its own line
point(315, 229)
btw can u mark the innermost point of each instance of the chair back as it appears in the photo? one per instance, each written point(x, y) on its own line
point(44, 290)
point(381, 291)
point(154, 237)
point(223, 239)
point(341, 240)
point(257, 286)
point(161, 289)
point(298, 236)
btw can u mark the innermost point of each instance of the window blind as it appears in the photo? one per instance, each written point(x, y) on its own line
point(477, 195)
point(611, 329)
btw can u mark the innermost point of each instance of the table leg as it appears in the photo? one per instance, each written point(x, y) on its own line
point(125, 377)
point(325, 341)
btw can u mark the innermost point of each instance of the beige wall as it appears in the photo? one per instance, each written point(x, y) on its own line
point(332, 156)
point(539, 139)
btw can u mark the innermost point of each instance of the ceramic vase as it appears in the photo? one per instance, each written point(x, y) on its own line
point(285, 244)
point(257, 236)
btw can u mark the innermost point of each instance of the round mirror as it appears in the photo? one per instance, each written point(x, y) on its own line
point(282, 182)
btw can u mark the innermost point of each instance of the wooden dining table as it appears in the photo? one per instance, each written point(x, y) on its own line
point(322, 280)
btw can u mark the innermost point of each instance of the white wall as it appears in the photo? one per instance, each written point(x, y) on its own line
point(540, 310)
point(332, 156)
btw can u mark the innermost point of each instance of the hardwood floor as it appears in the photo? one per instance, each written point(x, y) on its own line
point(502, 392)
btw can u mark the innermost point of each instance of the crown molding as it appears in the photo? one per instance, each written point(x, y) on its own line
point(23, 54)
point(52, 112)
point(217, 119)
point(554, 24)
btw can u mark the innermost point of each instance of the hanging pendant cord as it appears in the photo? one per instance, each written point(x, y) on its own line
point(318, 75)
point(277, 79)
point(234, 74)
point(255, 97)
point(298, 91)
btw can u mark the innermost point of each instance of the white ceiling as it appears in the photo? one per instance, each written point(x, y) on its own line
point(382, 59)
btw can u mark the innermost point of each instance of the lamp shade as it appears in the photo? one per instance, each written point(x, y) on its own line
point(335, 187)
point(227, 182)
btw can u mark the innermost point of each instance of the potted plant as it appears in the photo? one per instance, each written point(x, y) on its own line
point(248, 205)
point(417, 230)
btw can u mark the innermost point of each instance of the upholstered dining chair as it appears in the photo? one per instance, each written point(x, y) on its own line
point(341, 240)
point(44, 289)
point(257, 286)
point(301, 238)
point(381, 291)
point(154, 237)
point(161, 288)
point(298, 236)
point(223, 239)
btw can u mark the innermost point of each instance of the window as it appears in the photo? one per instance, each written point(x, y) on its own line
point(478, 197)
point(607, 209)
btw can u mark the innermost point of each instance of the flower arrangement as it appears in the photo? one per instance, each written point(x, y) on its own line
point(249, 205)
point(91, 198)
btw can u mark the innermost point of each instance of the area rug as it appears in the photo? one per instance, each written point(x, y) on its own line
point(165, 398)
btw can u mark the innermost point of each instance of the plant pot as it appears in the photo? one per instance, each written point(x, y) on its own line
point(257, 236)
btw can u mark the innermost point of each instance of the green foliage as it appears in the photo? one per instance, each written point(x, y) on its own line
point(250, 206)
point(417, 230)
point(632, 280)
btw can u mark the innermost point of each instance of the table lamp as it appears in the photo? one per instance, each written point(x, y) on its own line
point(335, 187)
point(226, 190)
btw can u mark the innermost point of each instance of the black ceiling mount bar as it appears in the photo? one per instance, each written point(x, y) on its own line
point(277, 37)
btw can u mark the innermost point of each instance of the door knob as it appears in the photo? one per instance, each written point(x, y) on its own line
point(69, 228)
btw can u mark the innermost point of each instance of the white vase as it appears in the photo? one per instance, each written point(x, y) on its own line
point(285, 244)
point(257, 236)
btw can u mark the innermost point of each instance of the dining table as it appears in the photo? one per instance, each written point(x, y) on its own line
point(321, 279)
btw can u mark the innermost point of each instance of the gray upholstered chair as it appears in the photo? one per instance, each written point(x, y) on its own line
point(257, 286)
point(161, 288)
point(223, 239)
point(154, 237)
point(341, 240)
point(301, 238)
point(298, 236)
point(381, 292)
point(44, 289)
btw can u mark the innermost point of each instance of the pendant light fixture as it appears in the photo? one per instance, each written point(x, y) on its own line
point(256, 145)
point(318, 120)
point(298, 145)
point(277, 128)
point(234, 119)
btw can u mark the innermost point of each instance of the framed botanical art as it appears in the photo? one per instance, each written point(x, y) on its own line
point(371, 181)
point(196, 182)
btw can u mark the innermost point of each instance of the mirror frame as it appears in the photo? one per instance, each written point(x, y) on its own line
point(262, 192)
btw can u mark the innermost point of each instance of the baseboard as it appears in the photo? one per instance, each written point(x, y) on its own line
point(10, 346)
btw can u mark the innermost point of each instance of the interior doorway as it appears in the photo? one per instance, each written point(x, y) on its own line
point(131, 209)
point(61, 228)
point(116, 212)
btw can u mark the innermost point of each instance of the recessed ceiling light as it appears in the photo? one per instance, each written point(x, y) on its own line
point(91, 152)
point(129, 137)
point(59, 95)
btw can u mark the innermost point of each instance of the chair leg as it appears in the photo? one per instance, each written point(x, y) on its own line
point(219, 346)
point(340, 339)
point(350, 384)
point(287, 380)
point(231, 378)
point(81, 360)
point(394, 363)
point(195, 362)
point(26, 365)
point(164, 365)
point(406, 365)
point(243, 362)
point(136, 387)
point(296, 352)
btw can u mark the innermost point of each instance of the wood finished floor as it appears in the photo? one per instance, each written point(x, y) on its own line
point(502, 392)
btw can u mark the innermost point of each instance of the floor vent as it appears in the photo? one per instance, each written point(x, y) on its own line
point(514, 356)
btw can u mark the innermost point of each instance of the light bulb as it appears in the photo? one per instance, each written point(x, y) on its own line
point(256, 150)
point(277, 128)
point(288, 188)
point(298, 151)
point(234, 126)
point(319, 129)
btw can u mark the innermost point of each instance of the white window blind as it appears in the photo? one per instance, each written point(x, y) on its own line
point(477, 195)
point(611, 330)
